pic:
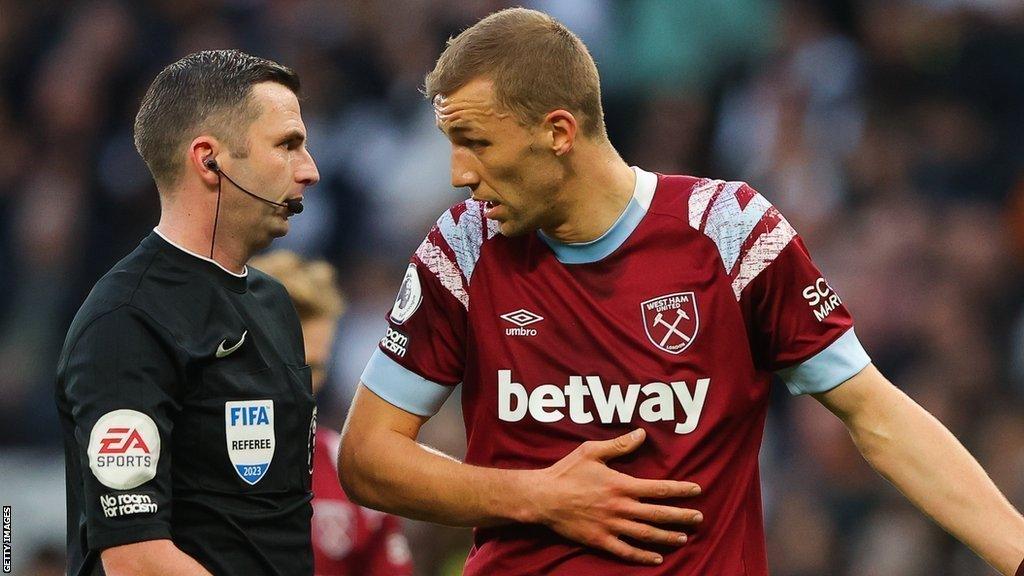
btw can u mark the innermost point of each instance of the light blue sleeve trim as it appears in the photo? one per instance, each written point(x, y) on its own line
point(402, 388)
point(827, 369)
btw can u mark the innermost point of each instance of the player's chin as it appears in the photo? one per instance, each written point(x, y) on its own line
point(512, 228)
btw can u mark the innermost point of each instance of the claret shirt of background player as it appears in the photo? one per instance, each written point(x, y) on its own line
point(674, 320)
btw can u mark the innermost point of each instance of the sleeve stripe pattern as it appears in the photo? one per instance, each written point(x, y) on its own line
point(440, 265)
point(464, 238)
point(764, 251)
point(748, 231)
point(729, 225)
point(452, 251)
point(701, 196)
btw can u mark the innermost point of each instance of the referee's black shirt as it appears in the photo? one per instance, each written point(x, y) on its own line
point(187, 414)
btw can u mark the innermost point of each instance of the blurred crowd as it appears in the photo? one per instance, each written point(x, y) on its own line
point(888, 131)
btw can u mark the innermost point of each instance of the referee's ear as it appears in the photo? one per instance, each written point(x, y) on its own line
point(200, 150)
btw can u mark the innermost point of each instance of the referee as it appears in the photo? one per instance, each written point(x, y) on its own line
point(182, 389)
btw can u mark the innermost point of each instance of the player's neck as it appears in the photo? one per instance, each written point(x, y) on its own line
point(596, 196)
point(192, 230)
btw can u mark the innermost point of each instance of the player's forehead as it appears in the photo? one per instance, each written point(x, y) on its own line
point(472, 106)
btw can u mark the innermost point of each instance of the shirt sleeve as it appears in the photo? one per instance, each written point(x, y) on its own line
point(801, 329)
point(797, 323)
point(421, 357)
point(120, 380)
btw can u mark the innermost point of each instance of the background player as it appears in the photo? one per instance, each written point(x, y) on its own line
point(619, 276)
point(187, 417)
point(348, 540)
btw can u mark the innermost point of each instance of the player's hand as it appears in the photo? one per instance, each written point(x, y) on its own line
point(584, 500)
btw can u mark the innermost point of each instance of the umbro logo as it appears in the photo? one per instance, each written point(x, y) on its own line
point(222, 351)
point(521, 318)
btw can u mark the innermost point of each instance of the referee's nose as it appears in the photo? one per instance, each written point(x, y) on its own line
point(306, 173)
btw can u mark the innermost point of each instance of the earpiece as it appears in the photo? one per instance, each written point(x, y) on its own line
point(293, 205)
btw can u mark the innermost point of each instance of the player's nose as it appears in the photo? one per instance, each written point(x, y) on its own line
point(464, 178)
point(463, 173)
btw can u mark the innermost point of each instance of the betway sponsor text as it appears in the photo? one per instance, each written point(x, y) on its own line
point(612, 403)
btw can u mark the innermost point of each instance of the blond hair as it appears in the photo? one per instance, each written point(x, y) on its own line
point(536, 63)
point(311, 284)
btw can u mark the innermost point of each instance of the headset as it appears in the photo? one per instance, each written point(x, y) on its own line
point(293, 205)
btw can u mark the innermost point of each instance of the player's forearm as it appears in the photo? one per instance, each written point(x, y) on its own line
point(915, 452)
point(150, 558)
point(390, 472)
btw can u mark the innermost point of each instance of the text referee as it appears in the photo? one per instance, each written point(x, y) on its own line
point(182, 388)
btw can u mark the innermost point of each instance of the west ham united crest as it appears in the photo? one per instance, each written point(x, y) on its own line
point(671, 321)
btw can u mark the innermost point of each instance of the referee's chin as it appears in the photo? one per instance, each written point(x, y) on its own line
point(280, 227)
point(275, 230)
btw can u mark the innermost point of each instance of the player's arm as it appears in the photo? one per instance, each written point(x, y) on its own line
point(150, 558)
point(915, 452)
point(382, 466)
point(801, 330)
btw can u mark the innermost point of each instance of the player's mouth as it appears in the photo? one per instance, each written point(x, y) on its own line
point(491, 209)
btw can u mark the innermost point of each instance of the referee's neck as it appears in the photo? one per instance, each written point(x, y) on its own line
point(196, 241)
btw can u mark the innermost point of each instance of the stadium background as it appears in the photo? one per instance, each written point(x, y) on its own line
point(887, 130)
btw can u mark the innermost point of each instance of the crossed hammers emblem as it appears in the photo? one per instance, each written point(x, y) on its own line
point(673, 328)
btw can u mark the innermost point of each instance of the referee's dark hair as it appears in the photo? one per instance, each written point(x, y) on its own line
point(209, 92)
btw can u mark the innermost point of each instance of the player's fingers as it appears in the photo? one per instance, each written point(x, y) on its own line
point(658, 514)
point(641, 488)
point(651, 534)
point(620, 446)
point(613, 545)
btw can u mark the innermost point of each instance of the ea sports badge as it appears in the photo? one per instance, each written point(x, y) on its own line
point(124, 449)
point(409, 296)
point(249, 429)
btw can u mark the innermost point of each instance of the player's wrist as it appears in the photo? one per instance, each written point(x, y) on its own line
point(522, 500)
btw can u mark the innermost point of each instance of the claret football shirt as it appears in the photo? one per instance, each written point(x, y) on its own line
point(348, 539)
point(674, 320)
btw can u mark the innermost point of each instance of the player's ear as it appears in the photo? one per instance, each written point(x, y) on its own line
point(562, 127)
